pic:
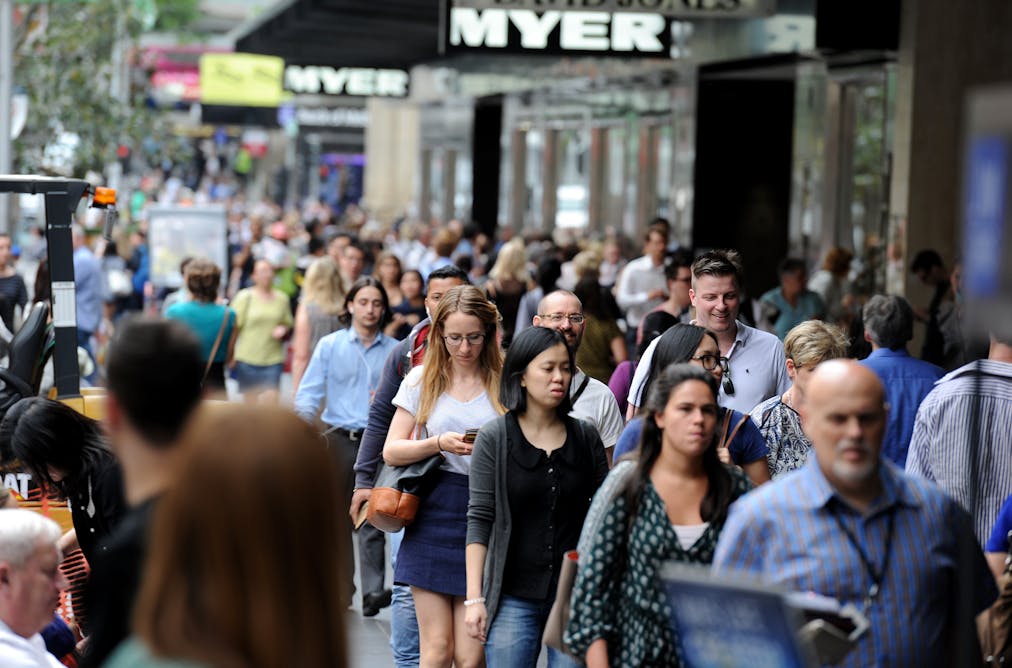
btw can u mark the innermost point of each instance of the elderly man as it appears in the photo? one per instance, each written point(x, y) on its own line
point(30, 585)
point(592, 400)
point(851, 526)
point(755, 359)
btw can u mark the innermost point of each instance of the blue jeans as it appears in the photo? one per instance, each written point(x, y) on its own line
point(514, 640)
point(403, 623)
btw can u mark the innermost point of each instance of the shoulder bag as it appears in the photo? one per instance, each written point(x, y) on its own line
point(994, 625)
point(558, 616)
point(217, 344)
point(398, 491)
point(725, 438)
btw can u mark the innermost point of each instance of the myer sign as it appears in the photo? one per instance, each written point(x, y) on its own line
point(357, 81)
point(559, 32)
point(676, 8)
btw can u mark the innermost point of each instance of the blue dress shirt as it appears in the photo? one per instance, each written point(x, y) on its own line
point(88, 289)
point(344, 373)
point(907, 381)
point(788, 531)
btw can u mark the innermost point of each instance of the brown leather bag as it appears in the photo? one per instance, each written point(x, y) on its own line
point(398, 491)
point(994, 625)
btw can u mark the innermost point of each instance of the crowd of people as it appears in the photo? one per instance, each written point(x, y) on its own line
point(638, 413)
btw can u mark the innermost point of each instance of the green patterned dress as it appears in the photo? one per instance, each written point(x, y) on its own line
point(624, 602)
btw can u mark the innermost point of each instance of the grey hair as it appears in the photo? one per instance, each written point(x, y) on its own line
point(22, 532)
point(889, 321)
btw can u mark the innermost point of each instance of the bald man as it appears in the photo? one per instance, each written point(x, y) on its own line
point(852, 526)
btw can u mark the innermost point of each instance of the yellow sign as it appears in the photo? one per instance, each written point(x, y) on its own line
point(241, 79)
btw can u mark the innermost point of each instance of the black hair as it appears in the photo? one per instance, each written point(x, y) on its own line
point(718, 494)
point(154, 371)
point(925, 260)
point(791, 265)
point(41, 434)
point(449, 271)
point(548, 273)
point(889, 321)
point(527, 345)
point(654, 323)
point(588, 291)
point(677, 260)
point(315, 245)
point(676, 346)
point(367, 282)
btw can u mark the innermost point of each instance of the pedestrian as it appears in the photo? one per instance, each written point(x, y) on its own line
point(641, 287)
point(254, 578)
point(508, 281)
point(602, 347)
point(791, 303)
point(533, 474)
point(388, 271)
point(264, 321)
point(31, 584)
point(411, 310)
point(852, 527)
point(319, 313)
point(343, 375)
point(13, 292)
point(806, 346)
point(669, 504)
point(832, 285)
point(455, 390)
point(739, 442)
point(213, 323)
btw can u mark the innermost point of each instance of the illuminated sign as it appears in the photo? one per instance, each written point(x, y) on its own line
point(559, 32)
point(676, 8)
point(359, 81)
point(241, 79)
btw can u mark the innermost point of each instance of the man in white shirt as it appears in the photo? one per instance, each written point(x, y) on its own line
point(592, 400)
point(755, 368)
point(642, 286)
point(30, 585)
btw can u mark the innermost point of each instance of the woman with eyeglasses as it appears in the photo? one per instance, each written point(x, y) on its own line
point(739, 441)
point(533, 474)
point(805, 346)
point(440, 406)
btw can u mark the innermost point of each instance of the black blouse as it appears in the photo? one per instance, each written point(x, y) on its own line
point(96, 511)
point(549, 496)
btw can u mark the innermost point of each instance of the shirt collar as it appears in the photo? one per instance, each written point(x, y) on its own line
point(887, 352)
point(985, 366)
point(353, 336)
point(818, 491)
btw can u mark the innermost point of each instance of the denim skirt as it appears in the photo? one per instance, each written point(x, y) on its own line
point(432, 552)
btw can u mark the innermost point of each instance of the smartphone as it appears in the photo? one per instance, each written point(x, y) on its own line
point(470, 435)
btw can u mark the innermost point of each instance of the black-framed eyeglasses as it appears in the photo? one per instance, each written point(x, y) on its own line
point(455, 340)
point(710, 362)
point(557, 318)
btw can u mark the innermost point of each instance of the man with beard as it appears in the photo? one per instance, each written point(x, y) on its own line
point(852, 526)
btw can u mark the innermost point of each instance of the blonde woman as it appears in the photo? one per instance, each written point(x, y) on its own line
point(318, 314)
point(454, 391)
point(508, 281)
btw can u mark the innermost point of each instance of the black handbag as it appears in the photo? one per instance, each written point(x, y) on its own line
point(398, 491)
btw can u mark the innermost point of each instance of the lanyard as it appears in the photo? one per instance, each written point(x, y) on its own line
point(877, 576)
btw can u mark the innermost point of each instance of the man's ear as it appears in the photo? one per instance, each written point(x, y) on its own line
point(692, 296)
point(536, 321)
point(5, 573)
point(867, 336)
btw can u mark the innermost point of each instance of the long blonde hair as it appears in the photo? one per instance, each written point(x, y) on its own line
point(511, 263)
point(324, 286)
point(436, 379)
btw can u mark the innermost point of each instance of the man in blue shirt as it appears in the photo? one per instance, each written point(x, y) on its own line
point(888, 325)
point(853, 527)
point(88, 291)
point(344, 374)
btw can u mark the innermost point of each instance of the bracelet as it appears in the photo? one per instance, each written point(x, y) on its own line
point(472, 601)
point(438, 436)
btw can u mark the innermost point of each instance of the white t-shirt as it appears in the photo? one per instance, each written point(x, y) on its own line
point(597, 406)
point(447, 415)
point(19, 652)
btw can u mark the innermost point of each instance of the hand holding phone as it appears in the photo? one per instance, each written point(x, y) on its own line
point(470, 435)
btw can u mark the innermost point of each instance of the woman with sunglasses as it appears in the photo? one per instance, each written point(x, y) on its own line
point(739, 441)
point(668, 504)
point(454, 391)
point(533, 474)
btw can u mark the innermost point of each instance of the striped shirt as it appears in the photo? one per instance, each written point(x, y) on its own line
point(789, 532)
point(939, 447)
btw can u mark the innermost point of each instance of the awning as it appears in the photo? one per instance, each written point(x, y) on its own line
point(387, 34)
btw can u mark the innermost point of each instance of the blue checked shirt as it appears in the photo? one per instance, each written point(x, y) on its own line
point(786, 532)
point(344, 374)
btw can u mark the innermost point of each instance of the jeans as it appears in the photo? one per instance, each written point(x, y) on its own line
point(514, 640)
point(251, 376)
point(403, 623)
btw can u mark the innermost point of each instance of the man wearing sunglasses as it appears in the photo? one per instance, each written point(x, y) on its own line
point(755, 368)
point(592, 400)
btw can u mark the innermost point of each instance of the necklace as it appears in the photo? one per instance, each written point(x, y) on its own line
point(876, 575)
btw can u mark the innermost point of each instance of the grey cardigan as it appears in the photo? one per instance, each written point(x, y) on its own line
point(488, 511)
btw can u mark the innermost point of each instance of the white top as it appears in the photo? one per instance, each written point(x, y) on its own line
point(758, 370)
point(447, 415)
point(637, 280)
point(688, 534)
point(20, 652)
point(597, 405)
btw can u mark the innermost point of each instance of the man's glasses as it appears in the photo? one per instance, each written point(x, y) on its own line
point(455, 340)
point(710, 362)
point(557, 318)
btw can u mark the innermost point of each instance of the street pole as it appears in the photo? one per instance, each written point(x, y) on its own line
point(6, 98)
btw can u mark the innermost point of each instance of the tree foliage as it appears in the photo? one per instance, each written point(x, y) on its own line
point(64, 61)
